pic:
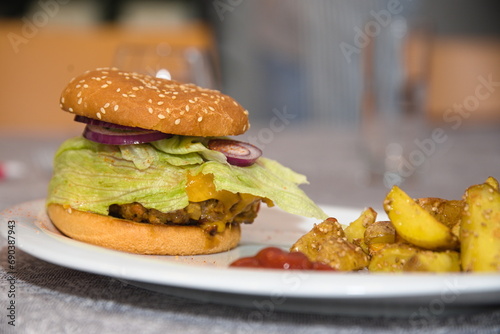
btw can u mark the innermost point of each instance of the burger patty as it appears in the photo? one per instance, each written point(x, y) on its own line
point(195, 213)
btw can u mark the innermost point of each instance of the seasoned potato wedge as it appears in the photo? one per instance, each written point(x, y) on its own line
point(447, 212)
point(402, 257)
point(355, 231)
point(431, 261)
point(456, 228)
point(415, 225)
point(326, 243)
point(480, 229)
point(392, 257)
point(375, 247)
point(380, 232)
point(492, 182)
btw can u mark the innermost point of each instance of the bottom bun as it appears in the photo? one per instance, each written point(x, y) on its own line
point(140, 238)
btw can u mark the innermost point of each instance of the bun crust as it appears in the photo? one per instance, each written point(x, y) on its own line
point(139, 100)
point(129, 236)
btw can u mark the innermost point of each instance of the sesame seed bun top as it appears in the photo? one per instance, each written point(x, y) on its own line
point(139, 100)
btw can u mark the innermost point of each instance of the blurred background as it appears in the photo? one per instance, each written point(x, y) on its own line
point(300, 56)
point(326, 67)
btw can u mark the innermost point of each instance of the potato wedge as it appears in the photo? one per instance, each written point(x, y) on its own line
point(492, 182)
point(415, 225)
point(480, 229)
point(447, 212)
point(431, 261)
point(392, 258)
point(456, 228)
point(326, 243)
point(380, 232)
point(355, 231)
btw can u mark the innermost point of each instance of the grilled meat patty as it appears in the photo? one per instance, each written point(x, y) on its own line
point(195, 213)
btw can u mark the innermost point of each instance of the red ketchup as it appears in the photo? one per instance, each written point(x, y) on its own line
point(276, 258)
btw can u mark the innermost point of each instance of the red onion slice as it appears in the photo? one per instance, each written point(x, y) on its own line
point(91, 121)
point(237, 153)
point(111, 136)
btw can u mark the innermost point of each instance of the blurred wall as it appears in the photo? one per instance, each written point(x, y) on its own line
point(278, 56)
point(46, 43)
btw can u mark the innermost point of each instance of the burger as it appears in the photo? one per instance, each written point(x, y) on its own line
point(157, 170)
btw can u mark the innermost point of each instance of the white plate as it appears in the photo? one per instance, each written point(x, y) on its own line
point(208, 278)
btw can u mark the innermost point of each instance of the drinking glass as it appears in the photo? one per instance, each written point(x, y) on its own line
point(392, 120)
point(188, 64)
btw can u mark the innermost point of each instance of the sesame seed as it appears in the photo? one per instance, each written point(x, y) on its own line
point(85, 86)
point(79, 101)
point(98, 79)
point(191, 101)
point(132, 95)
point(150, 101)
point(118, 90)
point(104, 86)
point(78, 86)
point(160, 116)
point(70, 109)
point(160, 103)
point(150, 110)
point(106, 105)
point(245, 112)
point(200, 118)
point(116, 108)
point(177, 121)
point(60, 105)
point(62, 99)
point(161, 95)
point(135, 88)
point(174, 97)
point(109, 82)
point(79, 94)
point(124, 95)
point(187, 108)
point(103, 110)
point(98, 115)
point(182, 112)
point(235, 103)
point(211, 108)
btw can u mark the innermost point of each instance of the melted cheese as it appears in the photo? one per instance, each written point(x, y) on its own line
point(201, 187)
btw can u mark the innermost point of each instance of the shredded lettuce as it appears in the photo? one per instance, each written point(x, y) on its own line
point(90, 177)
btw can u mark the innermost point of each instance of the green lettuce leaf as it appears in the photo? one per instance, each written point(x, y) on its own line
point(90, 177)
